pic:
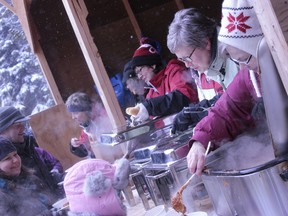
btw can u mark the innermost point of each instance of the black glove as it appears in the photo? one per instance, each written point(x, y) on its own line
point(181, 122)
point(189, 116)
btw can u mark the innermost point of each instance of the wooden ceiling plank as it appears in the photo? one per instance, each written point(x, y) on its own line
point(95, 64)
point(133, 19)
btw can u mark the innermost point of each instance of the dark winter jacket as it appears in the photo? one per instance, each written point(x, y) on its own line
point(172, 89)
point(232, 114)
point(25, 194)
point(42, 162)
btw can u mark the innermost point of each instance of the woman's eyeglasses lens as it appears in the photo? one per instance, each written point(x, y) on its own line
point(187, 58)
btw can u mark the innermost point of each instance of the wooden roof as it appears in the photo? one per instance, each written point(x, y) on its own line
point(81, 43)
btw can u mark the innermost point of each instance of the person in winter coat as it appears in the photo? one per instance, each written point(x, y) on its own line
point(171, 87)
point(46, 166)
point(192, 37)
point(93, 186)
point(136, 86)
point(232, 114)
point(92, 117)
point(21, 192)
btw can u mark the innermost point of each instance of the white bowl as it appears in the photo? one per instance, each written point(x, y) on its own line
point(156, 211)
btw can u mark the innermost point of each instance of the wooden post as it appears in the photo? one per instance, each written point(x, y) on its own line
point(77, 12)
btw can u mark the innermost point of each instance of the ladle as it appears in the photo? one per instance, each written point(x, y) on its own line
point(177, 201)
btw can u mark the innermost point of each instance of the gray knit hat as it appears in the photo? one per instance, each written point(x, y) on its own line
point(10, 115)
point(6, 147)
point(79, 102)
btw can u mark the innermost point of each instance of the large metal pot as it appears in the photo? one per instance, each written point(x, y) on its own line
point(261, 190)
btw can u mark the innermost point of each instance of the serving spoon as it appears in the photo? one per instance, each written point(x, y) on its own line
point(177, 200)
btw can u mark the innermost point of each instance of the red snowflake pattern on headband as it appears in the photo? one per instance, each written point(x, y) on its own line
point(238, 23)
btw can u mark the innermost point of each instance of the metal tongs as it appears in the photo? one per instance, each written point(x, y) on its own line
point(188, 110)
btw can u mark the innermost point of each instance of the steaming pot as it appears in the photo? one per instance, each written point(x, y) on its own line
point(260, 190)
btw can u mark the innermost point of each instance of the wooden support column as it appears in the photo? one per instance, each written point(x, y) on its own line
point(7, 5)
point(21, 9)
point(77, 12)
point(273, 16)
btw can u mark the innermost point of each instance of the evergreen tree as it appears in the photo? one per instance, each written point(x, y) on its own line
point(22, 83)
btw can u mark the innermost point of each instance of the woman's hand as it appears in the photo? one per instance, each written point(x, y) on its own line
point(75, 142)
point(196, 158)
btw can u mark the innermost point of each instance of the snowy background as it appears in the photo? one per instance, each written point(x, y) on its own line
point(22, 83)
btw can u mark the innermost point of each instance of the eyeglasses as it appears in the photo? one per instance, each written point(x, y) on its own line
point(138, 70)
point(246, 62)
point(187, 58)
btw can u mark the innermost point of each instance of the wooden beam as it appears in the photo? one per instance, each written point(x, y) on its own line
point(94, 62)
point(267, 14)
point(179, 4)
point(132, 19)
point(22, 11)
point(8, 6)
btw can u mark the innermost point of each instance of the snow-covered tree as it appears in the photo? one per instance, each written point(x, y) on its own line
point(22, 83)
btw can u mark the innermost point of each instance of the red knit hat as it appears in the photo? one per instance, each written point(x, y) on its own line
point(146, 54)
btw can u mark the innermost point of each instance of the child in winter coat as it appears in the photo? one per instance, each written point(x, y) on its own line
point(93, 187)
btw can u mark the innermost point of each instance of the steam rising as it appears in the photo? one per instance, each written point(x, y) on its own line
point(249, 149)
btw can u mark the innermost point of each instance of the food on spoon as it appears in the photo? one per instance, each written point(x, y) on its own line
point(177, 203)
point(132, 111)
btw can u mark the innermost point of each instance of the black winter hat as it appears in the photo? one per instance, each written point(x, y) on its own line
point(6, 147)
point(10, 115)
point(146, 54)
point(128, 72)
